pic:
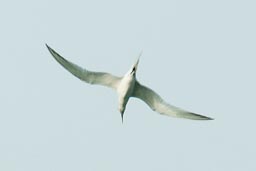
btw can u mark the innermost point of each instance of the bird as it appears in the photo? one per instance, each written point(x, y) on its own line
point(126, 87)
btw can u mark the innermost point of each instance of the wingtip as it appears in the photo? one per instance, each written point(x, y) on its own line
point(51, 50)
point(207, 118)
point(201, 117)
point(48, 47)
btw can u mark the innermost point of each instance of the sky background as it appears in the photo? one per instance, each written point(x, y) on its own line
point(198, 55)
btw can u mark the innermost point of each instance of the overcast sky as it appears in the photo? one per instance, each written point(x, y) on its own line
point(198, 55)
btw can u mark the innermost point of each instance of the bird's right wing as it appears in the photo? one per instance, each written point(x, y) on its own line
point(90, 77)
point(156, 103)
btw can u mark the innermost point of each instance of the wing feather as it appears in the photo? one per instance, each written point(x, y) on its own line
point(156, 103)
point(90, 77)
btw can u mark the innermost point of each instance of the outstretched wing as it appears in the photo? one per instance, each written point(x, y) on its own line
point(157, 104)
point(90, 77)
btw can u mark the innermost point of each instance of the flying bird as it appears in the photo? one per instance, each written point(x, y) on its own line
point(126, 87)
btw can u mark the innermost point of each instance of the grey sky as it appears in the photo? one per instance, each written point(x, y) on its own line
point(49, 120)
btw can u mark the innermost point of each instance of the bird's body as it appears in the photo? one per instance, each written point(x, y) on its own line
point(126, 87)
point(124, 91)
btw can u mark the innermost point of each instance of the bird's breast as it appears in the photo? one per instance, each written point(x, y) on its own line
point(125, 88)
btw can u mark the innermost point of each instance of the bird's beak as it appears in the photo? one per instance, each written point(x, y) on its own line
point(137, 62)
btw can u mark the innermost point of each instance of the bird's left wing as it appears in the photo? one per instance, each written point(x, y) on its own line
point(90, 77)
point(156, 103)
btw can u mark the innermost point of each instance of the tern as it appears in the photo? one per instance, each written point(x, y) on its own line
point(126, 87)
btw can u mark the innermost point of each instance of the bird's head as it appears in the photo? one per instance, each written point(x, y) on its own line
point(134, 67)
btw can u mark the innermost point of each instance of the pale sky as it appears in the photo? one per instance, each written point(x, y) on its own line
point(198, 55)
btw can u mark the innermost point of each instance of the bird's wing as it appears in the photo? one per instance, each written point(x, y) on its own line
point(90, 77)
point(157, 104)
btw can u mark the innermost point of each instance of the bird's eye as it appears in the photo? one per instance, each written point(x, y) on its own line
point(133, 70)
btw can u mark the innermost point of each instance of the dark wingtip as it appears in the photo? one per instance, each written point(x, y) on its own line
point(52, 51)
point(48, 47)
point(207, 118)
point(201, 117)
